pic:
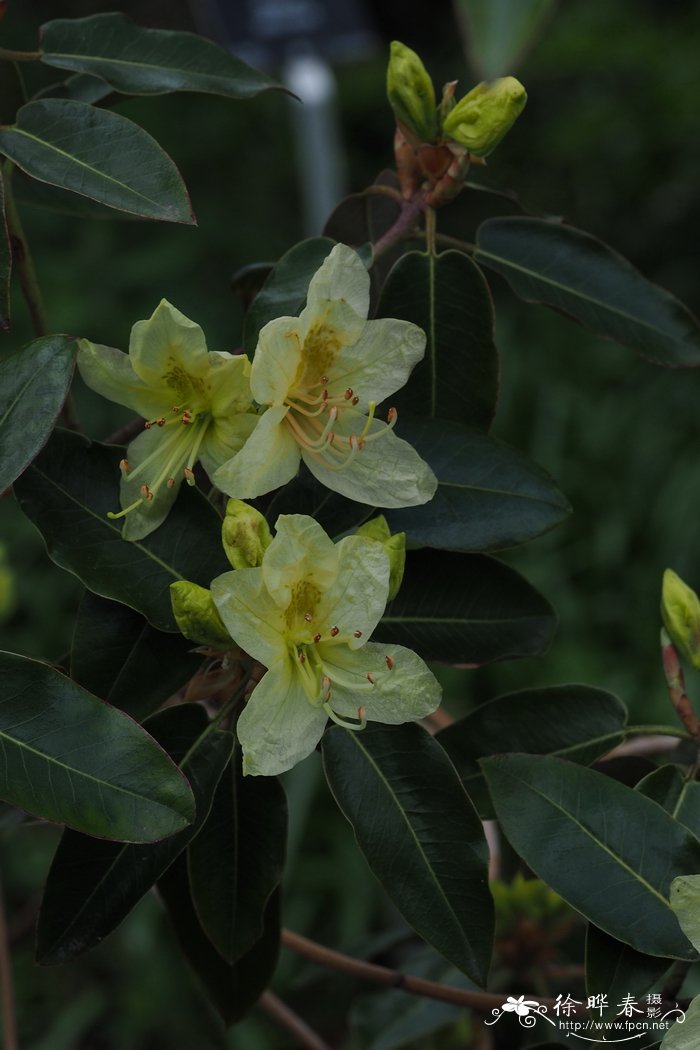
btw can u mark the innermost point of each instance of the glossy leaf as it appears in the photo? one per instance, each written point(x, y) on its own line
point(420, 835)
point(680, 797)
point(237, 860)
point(466, 608)
point(81, 88)
point(499, 33)
point(98, 154)
point(489, 496)
point(685, 901)
point(685, 1033)
point(363, 217)
point(550, 263)
point(284, 292)
point(573, 721)
point(34, 383)
point(232, 989)
point(140, 61)
point(93, 885)
point(68, 757)
point(446, 295)
point(614, 969)
point(119, 657)
point(5, 265)
point(67, 493)
point(607, 850)
point(305, 495)
point(52, 198)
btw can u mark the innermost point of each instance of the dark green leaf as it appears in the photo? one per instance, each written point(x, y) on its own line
point(420, 835)
point(679, 796)
point(284, 291)
point(614, 969)
point(11, 91)
point(81, 88)
point(446, 295)
point(489, 496)
point(233, 990)
point(93, 885)
point(70, 758)
point(573, 721)
point(305, 495)
point(53, 198)
point(550, 263)
point(139, 61)
point(121, 658)
point(67, 493)
point(466, 608)
point(236, 861)
point(362, 218)
point(499, 33)
point(34, 383)
point(606, 849)
point(5, 265)
point(98, 154)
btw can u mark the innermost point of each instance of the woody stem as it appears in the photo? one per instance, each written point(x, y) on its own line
point(403, 226)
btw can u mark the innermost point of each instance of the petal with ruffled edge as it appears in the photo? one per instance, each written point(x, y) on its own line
point(224, 439)
point(228, 384)
point(250, 615)
point(380, 362)
point(408, 691)
point(278, 726)
point(342, 276)
point(356, 600)
point(170, 350)
point(149, 514)
point(110, 373)
point(336, 309)
point(301, 553)
point(277, 361)
point(386, 472)
point(269, 458)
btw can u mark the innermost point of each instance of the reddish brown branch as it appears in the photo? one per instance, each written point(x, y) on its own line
point(294, 1024)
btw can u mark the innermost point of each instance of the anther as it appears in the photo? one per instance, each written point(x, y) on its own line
point(326, 685)
point(189, 475)
point(391, 415)
point(323, 380)
point(357, 634)
point(317, 638)
point(355, 401)
point(176, 408)
point(390, 662)
point(186, 416)
point(146, 492)
point(124, 466)
point(361, 712)
point(302, 657)
point(324, 395)
point(348, 394)
point(370, 678)
point(160, 422)
point(147, 425)
point(335, 631)
point(170, 483)
point(308, 617)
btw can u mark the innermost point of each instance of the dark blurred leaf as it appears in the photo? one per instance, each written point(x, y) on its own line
point(420, 835)
point(233, 990)
point(93, 885)
point(550, 263)
point(67, 493)
point(98, 154)
point(284, 291)
point(81, 88)
point(466, 608)
point(34, 383)
point(5, 264)
point(305, 495)
point(362, 218)
point(573, 721)
point(68, 757)
point(139, 61)
point(11, 91)
point(446, 295)
point(237, 860)
point(489, 496)
point(664, 786)
point(118, 656)
point(607, 850)
point(248, 280)
point(614, 969)
point(499, 33)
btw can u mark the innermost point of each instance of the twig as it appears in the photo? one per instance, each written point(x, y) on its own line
point(123, 435)
point(294, 1024)
point(482, 1002)
point(675, 680)
point(9, 1027)
point(403, 225)
point(7, 55)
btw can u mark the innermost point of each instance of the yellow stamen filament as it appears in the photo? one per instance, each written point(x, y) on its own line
point(339, 720)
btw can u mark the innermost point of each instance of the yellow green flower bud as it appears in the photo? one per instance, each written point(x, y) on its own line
point(411, 93)
point(245, 535)
point(481, 119)
point(197, 616)
point(680, 612)
point(378, 531)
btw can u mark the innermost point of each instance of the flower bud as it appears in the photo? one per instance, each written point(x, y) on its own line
point(378, 531)
point(411, 93)
point(245, 535)
point(680, 612)
point(197, 617)
point(481, 119)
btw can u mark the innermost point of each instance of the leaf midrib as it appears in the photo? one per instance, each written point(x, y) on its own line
point(107, 59)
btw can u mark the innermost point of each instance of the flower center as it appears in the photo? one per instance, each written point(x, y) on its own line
point(176, 454)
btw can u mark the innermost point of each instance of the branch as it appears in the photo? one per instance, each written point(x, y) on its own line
point(403, 225)
point(294, 1024)
point(123, 435)
point(6, 993)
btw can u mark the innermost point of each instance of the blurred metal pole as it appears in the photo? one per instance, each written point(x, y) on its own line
point(317, 141)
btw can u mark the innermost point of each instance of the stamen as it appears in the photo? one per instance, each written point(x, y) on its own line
point(370, 417)
point(355, 401)
point(326, 686)
point(324, 380)
point(120, 514)
point(390, 663)
point(348, 394)
point(335, 631)
point(317, 638)
point(302, 656)
point(186, 417)
point(391, 416)
point(356, 728)
point(160, 422)
point(308, 617)
point(124, 466)
point(146, 492)
point(170, 482)
point(189, 475)
point(370, 678)
point(357, 634)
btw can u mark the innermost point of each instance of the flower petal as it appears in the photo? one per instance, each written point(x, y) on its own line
point(408, 691)
point(228, 383)
point(301, 553)
point(278, 726)
point(225, 437)
point(277, 360)
point(342, 276)
point(149, 514)
point(169, 351)
point(110, 373)
point(386, 472)
point(357, 598)
point(381, 361)
point(269, 458)
point(250, 615)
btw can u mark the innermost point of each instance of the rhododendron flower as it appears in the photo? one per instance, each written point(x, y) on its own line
point(321, 376)
point(197, 404)
point(307, 614)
